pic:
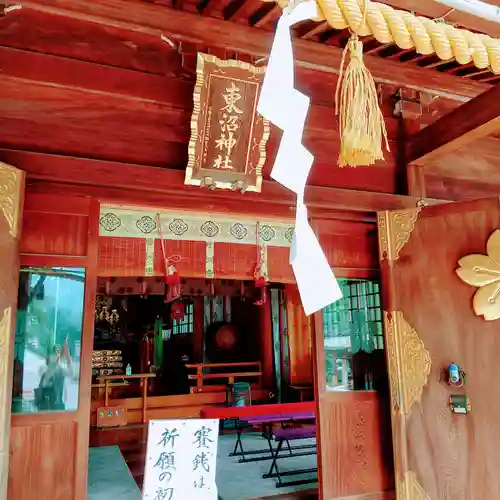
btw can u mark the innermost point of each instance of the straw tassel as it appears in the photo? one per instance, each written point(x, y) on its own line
point(361, 123)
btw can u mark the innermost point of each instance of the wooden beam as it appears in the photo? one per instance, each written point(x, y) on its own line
point(475, 119)
point(127, 183)
point(152, 19)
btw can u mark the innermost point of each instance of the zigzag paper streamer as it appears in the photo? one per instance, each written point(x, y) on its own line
point(284, 106)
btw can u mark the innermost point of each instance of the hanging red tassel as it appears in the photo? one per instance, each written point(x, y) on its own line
point(172, 278)
point(261, 284)
point(260, 272)
point(173, 282)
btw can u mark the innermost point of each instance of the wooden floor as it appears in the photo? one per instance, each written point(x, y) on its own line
point(132, 443)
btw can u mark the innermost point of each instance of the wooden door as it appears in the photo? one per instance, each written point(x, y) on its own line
point(49, 445)
point(430, 322)
point(11, 204)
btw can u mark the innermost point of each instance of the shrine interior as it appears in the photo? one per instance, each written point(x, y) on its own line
point(234, 343)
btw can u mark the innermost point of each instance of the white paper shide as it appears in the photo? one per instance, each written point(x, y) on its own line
point(181, 460)
point(284, 106)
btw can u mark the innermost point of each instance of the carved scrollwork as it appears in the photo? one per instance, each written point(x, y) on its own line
point(408, 488)
point(11, 182)
point(5, 346)
point(483, 272)
point(409, 362)
point(394, 230)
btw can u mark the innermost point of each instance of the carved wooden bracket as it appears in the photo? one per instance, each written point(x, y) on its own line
point(394, 230)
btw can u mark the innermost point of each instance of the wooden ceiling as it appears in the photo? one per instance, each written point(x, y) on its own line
point(264, 15)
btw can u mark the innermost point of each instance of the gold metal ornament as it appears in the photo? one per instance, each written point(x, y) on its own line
point(483, 272)
point(408, 488)
point(394, 230)
point(409, 362)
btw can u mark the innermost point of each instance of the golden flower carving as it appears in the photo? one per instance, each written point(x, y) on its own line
point(483, 272)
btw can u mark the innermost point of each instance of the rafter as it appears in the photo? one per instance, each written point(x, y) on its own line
point(477, 118)
point(148, 18)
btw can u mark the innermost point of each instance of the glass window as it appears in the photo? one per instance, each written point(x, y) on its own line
point(48, 339)
point(353, 336)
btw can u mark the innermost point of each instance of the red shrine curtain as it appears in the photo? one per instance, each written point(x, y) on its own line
point(234, 261)
point(278, 265)
point(121, 256)
point(192, 257)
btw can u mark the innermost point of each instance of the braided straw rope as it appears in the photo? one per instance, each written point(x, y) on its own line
point(407, 31)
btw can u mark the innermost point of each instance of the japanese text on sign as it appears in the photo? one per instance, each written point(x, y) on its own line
point(229, 124)
point(181, 460)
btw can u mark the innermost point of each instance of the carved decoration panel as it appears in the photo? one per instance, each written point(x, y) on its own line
point(394, 230)
point(409, 362)
point(408, 488)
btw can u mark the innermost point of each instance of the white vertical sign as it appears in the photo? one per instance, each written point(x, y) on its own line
point(181, 459)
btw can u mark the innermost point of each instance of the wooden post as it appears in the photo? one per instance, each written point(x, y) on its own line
point(266, 345)
point(144, 399)
point(11, 203)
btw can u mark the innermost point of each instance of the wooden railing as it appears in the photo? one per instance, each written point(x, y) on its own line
point(230, 375)
point(109, 381)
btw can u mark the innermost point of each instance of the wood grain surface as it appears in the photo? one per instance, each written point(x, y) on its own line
point(453, 456)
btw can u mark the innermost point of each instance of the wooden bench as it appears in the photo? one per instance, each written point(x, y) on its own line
point(267, 422)
point(229, 375)
point(282, 436)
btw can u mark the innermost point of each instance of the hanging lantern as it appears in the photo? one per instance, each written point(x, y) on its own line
point(178, 310)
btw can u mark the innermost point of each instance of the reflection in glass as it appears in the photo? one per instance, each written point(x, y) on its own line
point(48, 340)
point(354, 337)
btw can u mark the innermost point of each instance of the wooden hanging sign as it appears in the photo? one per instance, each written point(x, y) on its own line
point(228, 136)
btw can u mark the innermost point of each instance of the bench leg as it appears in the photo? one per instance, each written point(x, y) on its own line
point(237, 445)
point(274, 465)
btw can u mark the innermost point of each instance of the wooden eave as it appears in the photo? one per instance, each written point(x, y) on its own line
point(246, 26)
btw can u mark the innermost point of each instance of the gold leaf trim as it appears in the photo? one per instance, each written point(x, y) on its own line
point(483, 272)
point(197, 111)
point(394, 230)
point(408, 488)
point(11, 186)
point(409, 362)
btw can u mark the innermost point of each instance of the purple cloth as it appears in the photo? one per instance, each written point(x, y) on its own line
point(295, 433)
point(265, 419)
point(286, 417)
point(304, 415)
